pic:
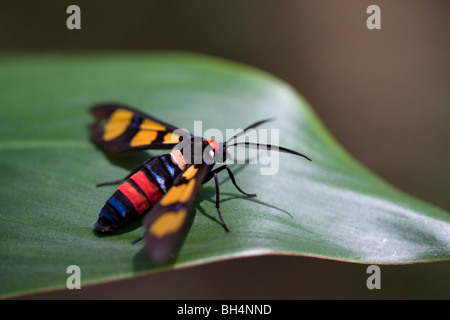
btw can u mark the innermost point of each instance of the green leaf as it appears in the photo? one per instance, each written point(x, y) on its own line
point(331, 208)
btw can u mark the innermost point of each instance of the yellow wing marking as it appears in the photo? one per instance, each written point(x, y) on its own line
point(168, 223)
point(171, 138)
point(147, 133)
point(190, 172)
point(181, 193)
point(117, 124)
point(143, 137)
point(151, 125)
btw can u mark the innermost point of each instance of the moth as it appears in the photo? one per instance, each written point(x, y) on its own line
point(164, 187)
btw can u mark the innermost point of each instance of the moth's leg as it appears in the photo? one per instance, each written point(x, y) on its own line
point(101, 184)
point(218, 202)
point(231, 175)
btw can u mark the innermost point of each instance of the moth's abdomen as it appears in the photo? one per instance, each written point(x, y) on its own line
point(137, 194)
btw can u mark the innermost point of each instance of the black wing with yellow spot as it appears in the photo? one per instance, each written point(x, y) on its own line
point(119, 128)
point(167, 223)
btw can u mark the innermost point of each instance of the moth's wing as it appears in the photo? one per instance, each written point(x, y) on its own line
point(118, 128)
point(167, 223)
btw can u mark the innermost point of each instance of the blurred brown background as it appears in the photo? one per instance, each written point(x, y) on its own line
point(383, 94)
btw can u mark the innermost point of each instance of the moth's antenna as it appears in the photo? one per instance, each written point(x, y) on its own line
point(254, 125)
point(259, 146)
point(137, 240)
